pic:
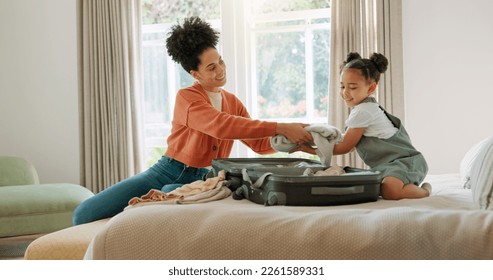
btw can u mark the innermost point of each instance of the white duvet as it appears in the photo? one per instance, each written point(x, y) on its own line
point(446, 225)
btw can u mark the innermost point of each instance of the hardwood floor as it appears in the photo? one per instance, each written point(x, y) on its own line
point(13, 248)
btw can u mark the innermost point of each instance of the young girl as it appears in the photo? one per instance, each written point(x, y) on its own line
point(206, 121)
point(380, 138)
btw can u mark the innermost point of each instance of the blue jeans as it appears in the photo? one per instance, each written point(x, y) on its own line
point(114, 199)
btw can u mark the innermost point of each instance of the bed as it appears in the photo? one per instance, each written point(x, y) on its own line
point(446, 225)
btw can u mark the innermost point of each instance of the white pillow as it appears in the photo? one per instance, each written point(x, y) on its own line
point(467, 161)
point(478, 173)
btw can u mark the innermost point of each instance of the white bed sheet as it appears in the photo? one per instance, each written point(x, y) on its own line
point(446, 225)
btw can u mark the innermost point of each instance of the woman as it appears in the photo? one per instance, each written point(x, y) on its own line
point(207, 119)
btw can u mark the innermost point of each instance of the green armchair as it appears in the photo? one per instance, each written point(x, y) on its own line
point(17, 171)
point(28, 208)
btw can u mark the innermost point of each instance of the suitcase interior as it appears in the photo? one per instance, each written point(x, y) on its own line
point(285, 166)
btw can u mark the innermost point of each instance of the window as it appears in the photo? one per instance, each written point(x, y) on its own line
point(277, 53)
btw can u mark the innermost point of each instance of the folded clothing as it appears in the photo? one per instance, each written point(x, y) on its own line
point(324, 138)
point(195, 192)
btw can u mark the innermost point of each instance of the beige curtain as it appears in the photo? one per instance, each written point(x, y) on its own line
point(109, 46)
point(366, 26)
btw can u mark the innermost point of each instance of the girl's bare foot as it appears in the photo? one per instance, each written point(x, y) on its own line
point(426, 186)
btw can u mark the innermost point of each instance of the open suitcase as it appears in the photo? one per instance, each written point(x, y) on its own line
point(280, 181)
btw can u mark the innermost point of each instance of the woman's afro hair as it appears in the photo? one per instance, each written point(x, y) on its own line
point(187, 41)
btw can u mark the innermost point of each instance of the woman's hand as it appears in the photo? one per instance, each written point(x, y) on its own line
point(295, 132)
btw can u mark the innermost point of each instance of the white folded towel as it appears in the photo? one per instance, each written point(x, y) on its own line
point(324, 138)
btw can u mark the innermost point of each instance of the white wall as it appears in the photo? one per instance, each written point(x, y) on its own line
point(448, 70)
point(38, 86)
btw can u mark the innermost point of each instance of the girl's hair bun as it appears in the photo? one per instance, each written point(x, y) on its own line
point(380, 62)
point(370, 68)
point(352, 56)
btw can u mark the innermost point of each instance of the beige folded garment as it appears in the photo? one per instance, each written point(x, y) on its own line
point(195, 192)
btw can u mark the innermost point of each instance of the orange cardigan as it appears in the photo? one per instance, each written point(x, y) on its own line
point(200, 133)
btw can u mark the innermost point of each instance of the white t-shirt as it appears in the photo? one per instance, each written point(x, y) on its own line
point(216, 100)
point(371, 117)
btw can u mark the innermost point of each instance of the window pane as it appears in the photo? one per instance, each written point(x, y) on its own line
point(290, 63)
point(184, 78)
point(169, 11)
point(281, 84)
point(321, 55)
point(155, 85)
point(269, 6)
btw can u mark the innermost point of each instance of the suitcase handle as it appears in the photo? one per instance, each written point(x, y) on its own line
point(257, 184)
point(248, 185)
point(337, 191)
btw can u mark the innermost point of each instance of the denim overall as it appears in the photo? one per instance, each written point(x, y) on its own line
point(394, 156)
